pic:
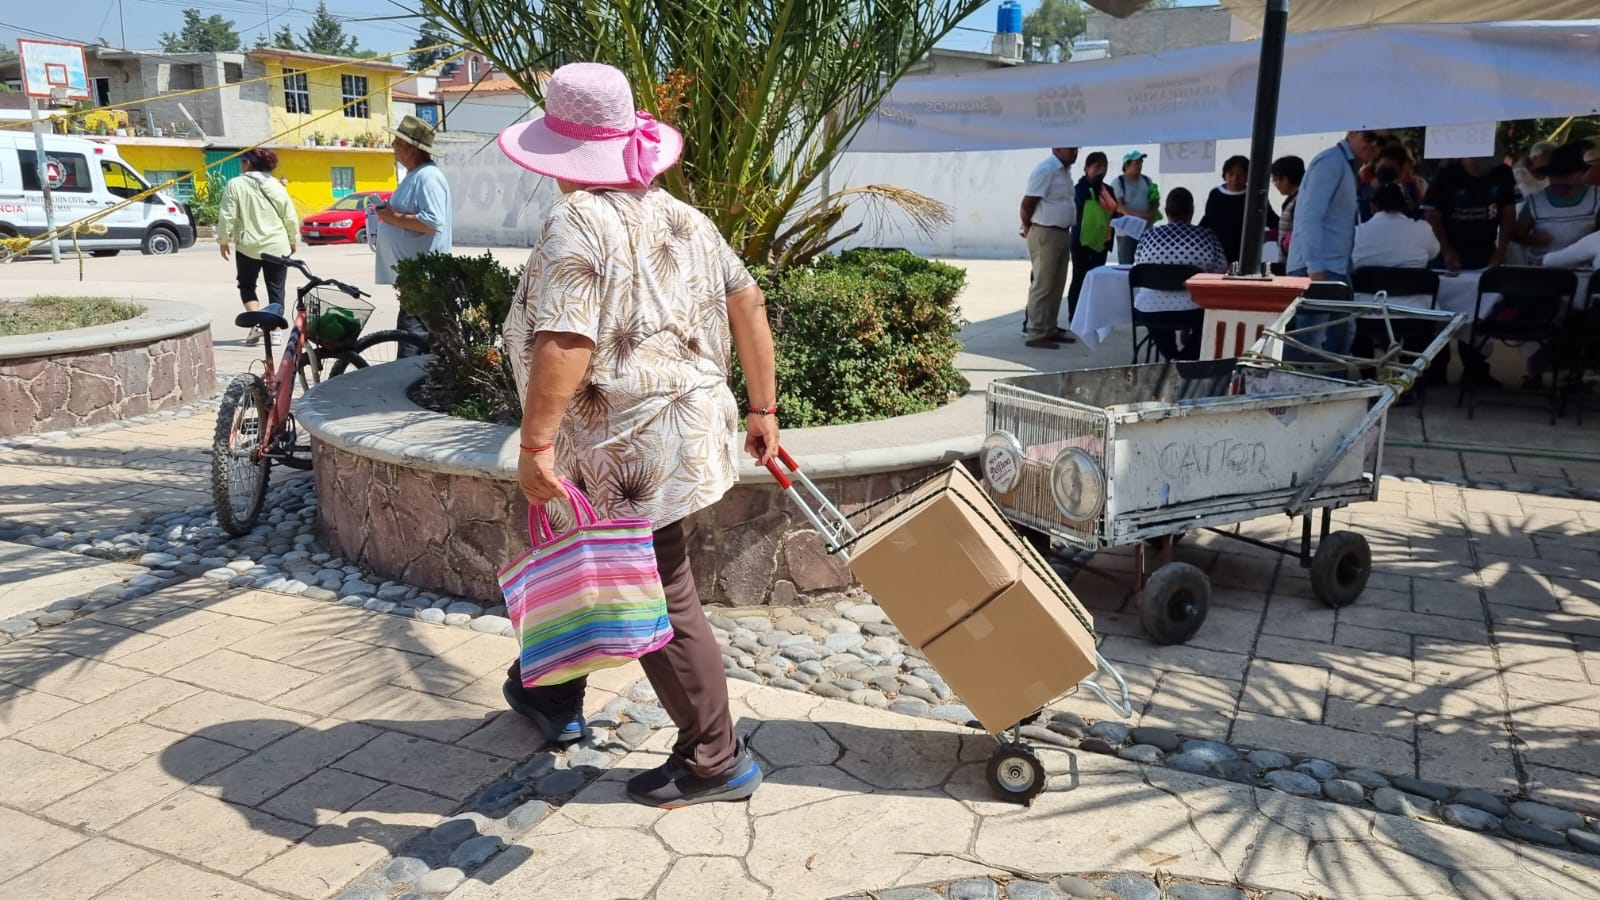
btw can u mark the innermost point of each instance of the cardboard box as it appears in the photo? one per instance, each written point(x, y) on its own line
point(1017, 653)
point(937, 556)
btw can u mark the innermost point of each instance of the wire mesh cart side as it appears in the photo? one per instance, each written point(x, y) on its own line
point(1139, 455)
point(1014, 770)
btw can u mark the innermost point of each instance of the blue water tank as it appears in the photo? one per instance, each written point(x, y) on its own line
point(1010, 18)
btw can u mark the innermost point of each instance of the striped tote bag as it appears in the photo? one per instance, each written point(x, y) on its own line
point(585, 600)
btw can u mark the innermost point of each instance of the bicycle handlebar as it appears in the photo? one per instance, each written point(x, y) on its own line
point(312, 280)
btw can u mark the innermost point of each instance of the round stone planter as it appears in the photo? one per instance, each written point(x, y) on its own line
point(432, 500)
point(88, 376)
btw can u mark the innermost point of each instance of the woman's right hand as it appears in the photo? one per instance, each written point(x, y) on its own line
point(762, 439)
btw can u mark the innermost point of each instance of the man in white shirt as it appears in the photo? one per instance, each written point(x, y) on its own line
point(1049, 212)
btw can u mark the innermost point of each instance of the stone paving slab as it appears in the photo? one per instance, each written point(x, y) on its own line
point(857, 797)
point(110, 774)
point(31, 578)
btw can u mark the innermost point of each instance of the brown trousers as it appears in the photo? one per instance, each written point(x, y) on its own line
point(687, 673)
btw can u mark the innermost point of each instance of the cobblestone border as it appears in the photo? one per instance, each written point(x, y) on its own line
point(1088, 886)
point(282, 555)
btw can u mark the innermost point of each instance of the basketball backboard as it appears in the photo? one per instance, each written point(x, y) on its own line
point(51, 69)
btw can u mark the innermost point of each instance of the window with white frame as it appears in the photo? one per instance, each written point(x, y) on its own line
point(296, 92)
point(353, 93)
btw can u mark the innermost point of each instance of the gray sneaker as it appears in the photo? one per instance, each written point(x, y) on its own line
point(671, 785)
point(253, 338)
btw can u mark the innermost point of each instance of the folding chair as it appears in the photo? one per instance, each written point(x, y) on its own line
point(1399, 283)
point(1535, 302)
point(1155, 277)
point(1582, 339)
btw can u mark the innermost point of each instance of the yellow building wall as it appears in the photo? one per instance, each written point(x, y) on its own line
point(327, 96)
point(146, 159)
point(308, 172)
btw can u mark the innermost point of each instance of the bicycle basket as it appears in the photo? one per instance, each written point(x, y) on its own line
point(334, 319)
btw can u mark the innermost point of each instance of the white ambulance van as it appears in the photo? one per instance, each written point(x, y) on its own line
point(86, 176)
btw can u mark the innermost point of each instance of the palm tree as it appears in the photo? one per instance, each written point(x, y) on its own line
point(767, 93)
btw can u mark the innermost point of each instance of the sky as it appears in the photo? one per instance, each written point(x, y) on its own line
point(145, 20)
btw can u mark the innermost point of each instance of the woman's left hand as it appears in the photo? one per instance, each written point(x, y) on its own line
point(536, 474)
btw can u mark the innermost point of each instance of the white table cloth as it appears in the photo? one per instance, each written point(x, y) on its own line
point(1459, 293)
point(1106, 302)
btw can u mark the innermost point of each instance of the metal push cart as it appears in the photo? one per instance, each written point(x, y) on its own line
point(1014, 771)
point(1139, 455)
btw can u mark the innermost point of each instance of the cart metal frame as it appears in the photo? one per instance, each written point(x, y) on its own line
point(1097, 412)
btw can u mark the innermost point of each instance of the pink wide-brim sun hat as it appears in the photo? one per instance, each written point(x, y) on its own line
point(591, 133)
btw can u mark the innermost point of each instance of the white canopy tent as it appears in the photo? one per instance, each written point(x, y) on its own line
point(1370, 77)
point(1318, 15)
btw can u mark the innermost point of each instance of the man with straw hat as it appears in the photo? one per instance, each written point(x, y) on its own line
point(619, 339)
point(417, 218)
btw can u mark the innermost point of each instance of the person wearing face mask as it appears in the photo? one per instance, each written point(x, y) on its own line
point(1090, 240)
point(1393, 165)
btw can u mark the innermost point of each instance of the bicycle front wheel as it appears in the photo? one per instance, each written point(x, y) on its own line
point(377, 348)
point(239, 463)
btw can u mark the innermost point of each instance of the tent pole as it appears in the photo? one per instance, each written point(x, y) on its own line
point(1269, 78)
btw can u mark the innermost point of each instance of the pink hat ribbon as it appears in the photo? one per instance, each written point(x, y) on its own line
point(639, 155)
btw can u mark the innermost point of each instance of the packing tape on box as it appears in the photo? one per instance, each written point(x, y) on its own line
point(977, 625)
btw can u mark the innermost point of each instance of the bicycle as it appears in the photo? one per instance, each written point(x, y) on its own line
point(255, 427)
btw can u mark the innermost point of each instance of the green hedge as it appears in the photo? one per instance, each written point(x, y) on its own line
point(462, 301)
point(867, 334)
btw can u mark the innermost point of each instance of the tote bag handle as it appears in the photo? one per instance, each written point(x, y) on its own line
point(539, 528)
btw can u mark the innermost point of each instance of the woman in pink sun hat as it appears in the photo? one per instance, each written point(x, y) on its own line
point(619, 338)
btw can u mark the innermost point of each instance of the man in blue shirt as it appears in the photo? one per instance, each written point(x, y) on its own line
point(1325, 218)
point(418, 217)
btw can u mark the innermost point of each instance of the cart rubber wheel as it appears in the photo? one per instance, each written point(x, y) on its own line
point(1174, 604)
point(1340, 568)
point(1015, 773)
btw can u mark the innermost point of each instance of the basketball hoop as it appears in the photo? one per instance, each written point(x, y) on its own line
point(54, 71)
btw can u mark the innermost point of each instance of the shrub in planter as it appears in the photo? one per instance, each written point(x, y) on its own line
point(463, 300)
point(867, 334)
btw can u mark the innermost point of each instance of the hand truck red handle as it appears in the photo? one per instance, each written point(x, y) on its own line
point(824, 516)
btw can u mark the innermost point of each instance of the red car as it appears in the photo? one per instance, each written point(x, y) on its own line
point(345, 222)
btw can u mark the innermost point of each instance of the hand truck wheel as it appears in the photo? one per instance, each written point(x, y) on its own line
point(1174, 603)
point(1015, 773)
point(1340, 568)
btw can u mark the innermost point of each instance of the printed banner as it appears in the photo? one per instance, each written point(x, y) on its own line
point(1189, 158)
point(1388, 77)
point(1456, 141)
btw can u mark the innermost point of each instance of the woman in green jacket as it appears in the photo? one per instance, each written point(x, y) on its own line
point(258, 218)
